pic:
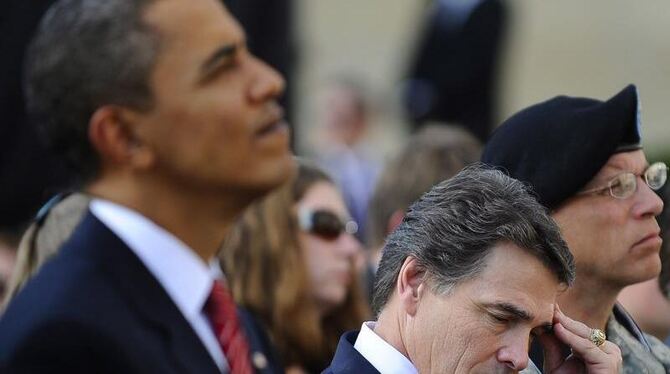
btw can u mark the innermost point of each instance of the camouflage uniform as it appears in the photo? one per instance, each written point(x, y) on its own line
point(637, 359)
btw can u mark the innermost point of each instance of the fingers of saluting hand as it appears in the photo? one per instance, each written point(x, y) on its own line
point(573, 326)
point(575, 334)
point(582, 347)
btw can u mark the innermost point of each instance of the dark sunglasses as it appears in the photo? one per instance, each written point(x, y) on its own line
point(324, 223)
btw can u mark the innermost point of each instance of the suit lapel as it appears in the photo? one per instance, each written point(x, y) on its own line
point(348, 360)
point(145, 295)
point(264, 358)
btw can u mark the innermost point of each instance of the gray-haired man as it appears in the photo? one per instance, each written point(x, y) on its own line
point(465, 281)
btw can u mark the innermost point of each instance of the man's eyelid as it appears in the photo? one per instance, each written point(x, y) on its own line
point(616, 178)
point(503, 317)
point(227, 62)
point(499, 317)
point(543, 329)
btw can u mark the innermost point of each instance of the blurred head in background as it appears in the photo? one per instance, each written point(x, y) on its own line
point(344, 111)
point(433, 154)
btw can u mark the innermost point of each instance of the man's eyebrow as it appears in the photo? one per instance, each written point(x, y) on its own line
point(619, 168)
point(511, 310)
point(224, 52)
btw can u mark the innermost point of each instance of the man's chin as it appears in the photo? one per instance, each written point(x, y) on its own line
point(282, 173)
point(649, 268)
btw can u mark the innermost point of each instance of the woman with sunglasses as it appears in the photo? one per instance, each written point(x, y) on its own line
point(292, 263)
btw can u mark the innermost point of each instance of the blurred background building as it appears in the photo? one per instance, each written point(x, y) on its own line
point(570, 47)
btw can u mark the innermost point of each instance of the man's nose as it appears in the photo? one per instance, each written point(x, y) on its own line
point(647, 201)
point(514, 356)
point(267, 82)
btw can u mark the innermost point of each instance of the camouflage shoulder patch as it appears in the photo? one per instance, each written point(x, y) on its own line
point(636, 358)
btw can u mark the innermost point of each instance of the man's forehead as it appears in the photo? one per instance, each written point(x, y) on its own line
point(634, 161)
point(515, 278)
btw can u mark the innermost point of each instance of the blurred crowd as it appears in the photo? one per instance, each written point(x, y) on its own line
point(154, 217)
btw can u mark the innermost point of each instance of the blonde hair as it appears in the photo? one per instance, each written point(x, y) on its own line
point(267, 273)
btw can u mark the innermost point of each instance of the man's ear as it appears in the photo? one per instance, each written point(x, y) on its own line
point(411, 285)
point(113, 134)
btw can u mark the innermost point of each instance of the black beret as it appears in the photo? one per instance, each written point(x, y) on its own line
point(557, 146)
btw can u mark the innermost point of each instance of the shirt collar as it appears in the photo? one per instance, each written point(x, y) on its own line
point(186, 278)
point(379, 353)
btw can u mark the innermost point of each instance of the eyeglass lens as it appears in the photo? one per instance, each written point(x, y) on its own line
point(656, 175)
point(625, 184)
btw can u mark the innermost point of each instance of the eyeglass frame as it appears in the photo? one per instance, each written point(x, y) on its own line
point(643, 176)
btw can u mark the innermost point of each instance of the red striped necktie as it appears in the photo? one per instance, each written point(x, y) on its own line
point(222, 313)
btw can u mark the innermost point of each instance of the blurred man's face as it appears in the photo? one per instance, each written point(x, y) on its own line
point(342, 115)
point(215, 123)
point(615, 241)
point(485, 325)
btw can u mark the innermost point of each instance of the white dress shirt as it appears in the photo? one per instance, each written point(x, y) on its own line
point(185, 277)
point(379, 353)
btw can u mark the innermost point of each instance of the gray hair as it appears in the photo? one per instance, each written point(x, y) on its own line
point(87, 54)
point(452, 228)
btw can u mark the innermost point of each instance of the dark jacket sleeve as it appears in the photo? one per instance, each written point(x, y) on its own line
point(59, 347)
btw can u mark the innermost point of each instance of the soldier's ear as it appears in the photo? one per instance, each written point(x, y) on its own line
point(112, 134)
point(411, 285)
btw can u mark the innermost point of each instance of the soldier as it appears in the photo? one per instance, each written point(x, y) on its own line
point(584, 160)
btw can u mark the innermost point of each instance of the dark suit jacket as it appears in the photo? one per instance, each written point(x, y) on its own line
point(95, 308)
point(456, 64)
point(347, 359)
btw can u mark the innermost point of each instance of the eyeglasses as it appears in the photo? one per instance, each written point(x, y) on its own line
point(324, 223)
point(624, 185)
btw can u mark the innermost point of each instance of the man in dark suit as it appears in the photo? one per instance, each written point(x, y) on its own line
point(174, 129)
point(454, 73)
point(468, 278)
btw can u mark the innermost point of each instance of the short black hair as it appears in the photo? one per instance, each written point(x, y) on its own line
point(87, 54)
